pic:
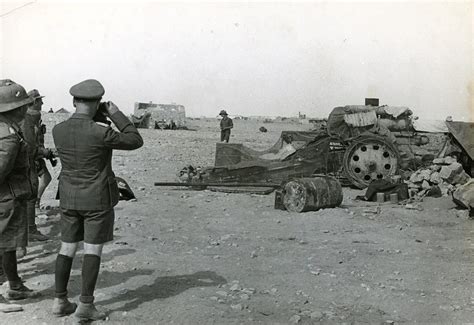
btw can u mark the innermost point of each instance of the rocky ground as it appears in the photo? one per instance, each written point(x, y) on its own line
point(202, 257)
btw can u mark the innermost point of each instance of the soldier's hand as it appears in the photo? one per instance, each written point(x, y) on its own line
point(111, 108)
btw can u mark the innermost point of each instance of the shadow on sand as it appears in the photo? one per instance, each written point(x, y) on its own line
point(164, 287)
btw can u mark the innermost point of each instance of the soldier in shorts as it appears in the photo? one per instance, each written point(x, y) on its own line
point(88, 191)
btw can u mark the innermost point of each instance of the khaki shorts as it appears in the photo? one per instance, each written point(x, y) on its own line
point(92, 227)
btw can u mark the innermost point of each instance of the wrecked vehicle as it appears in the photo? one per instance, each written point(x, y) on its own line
point(360, 144)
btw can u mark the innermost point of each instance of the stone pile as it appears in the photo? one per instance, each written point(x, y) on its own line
point(443, 177)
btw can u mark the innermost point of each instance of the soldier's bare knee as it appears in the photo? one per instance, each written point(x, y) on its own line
point(93, 249)
point(68, 249)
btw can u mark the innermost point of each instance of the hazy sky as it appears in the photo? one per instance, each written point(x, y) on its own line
point(248, 58)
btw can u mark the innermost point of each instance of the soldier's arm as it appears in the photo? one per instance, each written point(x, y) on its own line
point(127, 139)
point(8, 152)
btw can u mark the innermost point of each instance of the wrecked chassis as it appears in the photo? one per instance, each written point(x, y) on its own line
point(360, 144)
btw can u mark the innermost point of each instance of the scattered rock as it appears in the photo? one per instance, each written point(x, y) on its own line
point(253, 254)
point(425, 185)
point(237, 307)
point(449, 172)
point(226, 237)
point(435, 178)
point(235, 287)
point(244, 296)
point(295, 319)
point(249, 291)
point(316, 315)
point(463, 214)
point(464, 195)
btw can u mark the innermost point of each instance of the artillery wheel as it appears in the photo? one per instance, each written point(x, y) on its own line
point(369, 158)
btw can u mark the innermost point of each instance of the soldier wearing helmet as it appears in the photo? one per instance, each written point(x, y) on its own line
point(88, 190)
point(15, 185)
point(226, 126)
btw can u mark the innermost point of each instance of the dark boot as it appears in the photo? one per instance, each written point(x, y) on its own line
point(88, 312)
point(18, 291)
point(63, 307)
point(35, 235)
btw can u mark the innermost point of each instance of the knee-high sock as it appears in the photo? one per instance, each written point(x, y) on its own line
point(90, 272)
point(61, 275)
point(10, 268)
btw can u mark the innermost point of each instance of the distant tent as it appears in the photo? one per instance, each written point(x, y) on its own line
point(62, 110)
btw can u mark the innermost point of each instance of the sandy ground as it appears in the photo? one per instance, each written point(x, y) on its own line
point(201, 257)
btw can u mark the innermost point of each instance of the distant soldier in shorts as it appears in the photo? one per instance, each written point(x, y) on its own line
point(15, 185)
point(88, 190)
point(226, 125)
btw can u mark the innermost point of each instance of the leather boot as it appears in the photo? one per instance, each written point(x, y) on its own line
point(19, 291)
point(35, 235)
point(87, 311)
point(63, 307)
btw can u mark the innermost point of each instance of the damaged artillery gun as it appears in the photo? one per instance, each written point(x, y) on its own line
point(360, 144)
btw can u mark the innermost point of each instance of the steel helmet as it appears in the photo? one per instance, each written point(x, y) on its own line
point(12, 95)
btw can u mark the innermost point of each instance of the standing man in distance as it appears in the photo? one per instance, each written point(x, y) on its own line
point(226, 126)
point(15, 184)
point(88, 190)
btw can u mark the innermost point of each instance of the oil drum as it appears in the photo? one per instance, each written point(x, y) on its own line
point(312, 193)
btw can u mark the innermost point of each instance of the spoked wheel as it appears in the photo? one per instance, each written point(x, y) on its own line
point(369, 158)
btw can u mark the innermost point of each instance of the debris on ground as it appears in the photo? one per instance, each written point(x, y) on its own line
point(443, 177)
point(464, 195)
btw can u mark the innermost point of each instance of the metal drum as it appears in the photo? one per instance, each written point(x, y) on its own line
point(312, 193)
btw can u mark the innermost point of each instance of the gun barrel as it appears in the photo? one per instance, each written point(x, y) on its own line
point(219, 184)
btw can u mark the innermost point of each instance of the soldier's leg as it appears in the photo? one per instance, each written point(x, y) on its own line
point(63, 267)
point(34, 234)
point(90, 271)
point(61, 305)
point(17, 290)
point(98, 229)
point(227, 136)
point(72, 232)
point(44, 180)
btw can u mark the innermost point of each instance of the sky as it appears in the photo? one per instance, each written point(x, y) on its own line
point(250, 58)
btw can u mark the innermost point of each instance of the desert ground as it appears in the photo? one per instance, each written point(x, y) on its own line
point(182, 256)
